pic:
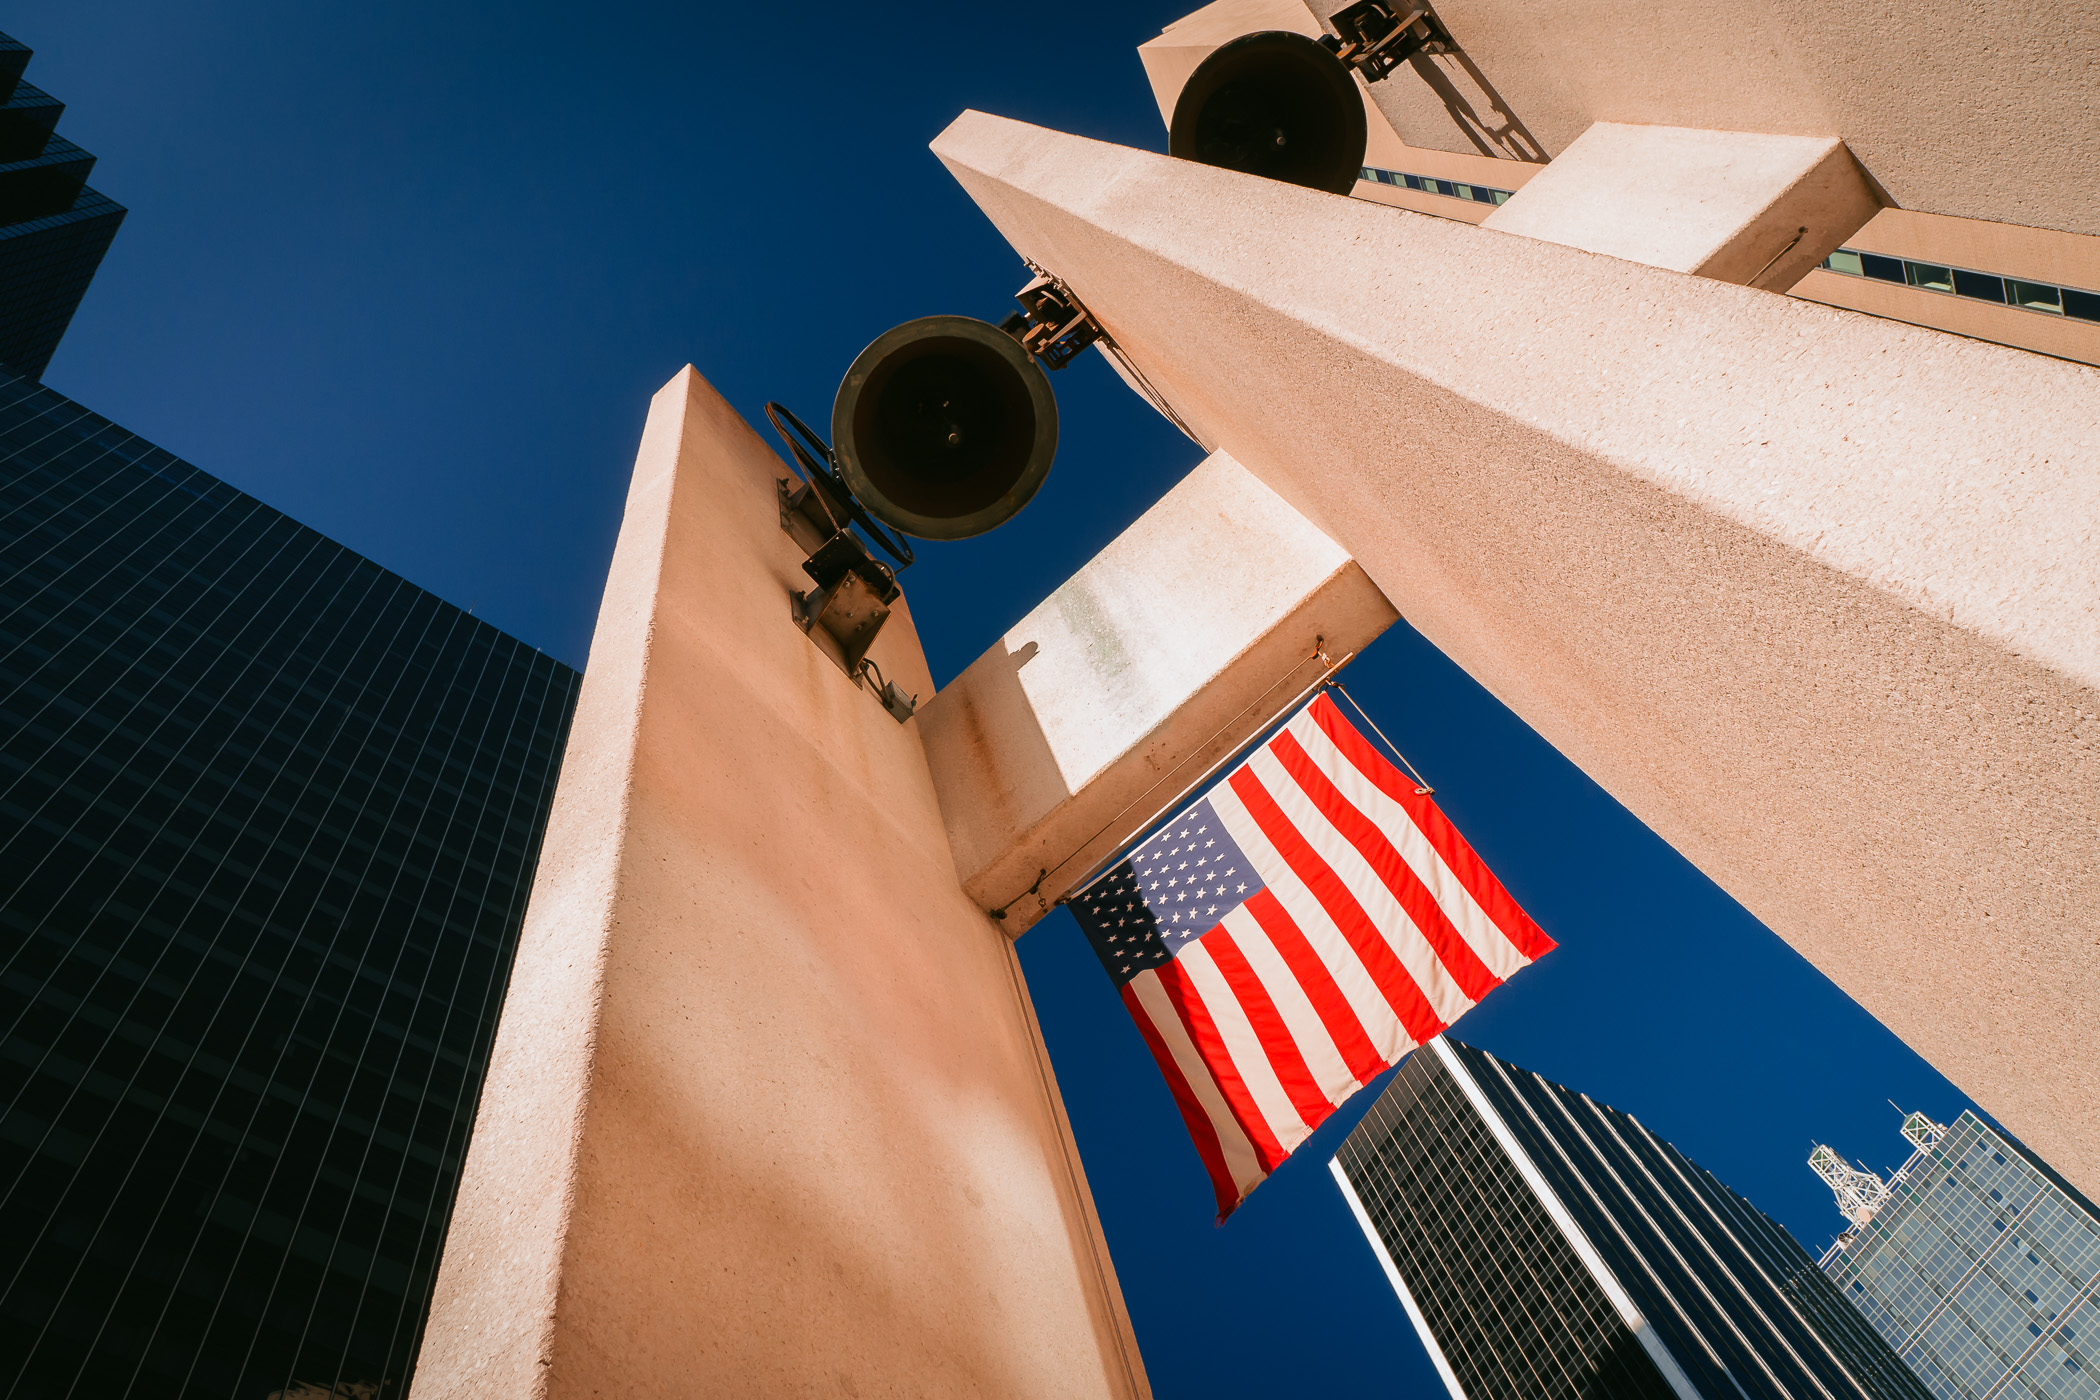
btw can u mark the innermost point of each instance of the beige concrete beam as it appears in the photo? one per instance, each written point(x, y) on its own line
point(768, 1112)
point(1755, 210)
point(2006, 250)
point(1816, 595)
point(1178, 642)
point(2003, 124)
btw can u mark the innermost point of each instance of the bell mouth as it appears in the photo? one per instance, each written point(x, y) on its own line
point(1277, 105)
point(944, 427)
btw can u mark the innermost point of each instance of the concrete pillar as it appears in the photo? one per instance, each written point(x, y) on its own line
point(768, 1112)
point(1167, 651)
point(1731, 205)
point(1814, 594)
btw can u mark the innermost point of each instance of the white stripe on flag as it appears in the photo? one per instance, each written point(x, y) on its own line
point(1329, 1070)
point(1233, 1143)
point(1413, 949)
point(1243, 1043)
point(1481, 933)
point(1374, 1013)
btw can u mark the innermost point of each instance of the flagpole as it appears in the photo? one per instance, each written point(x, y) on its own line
point(1107, 862)
point(1422, 787)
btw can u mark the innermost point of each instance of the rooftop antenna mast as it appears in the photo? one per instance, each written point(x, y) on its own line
point(1859, 1192)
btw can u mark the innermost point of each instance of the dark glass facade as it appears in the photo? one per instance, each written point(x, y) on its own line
point(268, 818)
point(1548, 1246)
point(1982, 1270)
point(53, 228)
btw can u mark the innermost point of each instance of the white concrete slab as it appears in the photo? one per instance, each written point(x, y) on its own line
point(1736, 206)
point(1190, 632)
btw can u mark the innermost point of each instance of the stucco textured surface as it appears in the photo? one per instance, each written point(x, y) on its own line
point(2038, 255)
point(768, 1113)
point(2007, 325)
point(1814, 594)
point(2003, 123)
point(1750, 209)
point(1184, 637)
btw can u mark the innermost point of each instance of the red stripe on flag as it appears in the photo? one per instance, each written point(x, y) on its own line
point(1399, 989)
point(1487, 891)
point(1327, 1000)
point(1390, 866)
point(1203, 1032)
point(1192, 1115)
point(1277, 1042)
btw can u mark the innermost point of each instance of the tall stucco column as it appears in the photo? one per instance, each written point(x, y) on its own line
point(1816, 595)
point(768, 1112)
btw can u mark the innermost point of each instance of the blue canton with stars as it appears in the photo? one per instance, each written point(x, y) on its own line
point(1169, 892)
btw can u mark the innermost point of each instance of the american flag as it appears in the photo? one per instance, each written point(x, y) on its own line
point(1310, 920)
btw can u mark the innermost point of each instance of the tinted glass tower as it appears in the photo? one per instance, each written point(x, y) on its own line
point(268, 817)
point(1981, 1266)
point(1547, 1247)
point(53, 228)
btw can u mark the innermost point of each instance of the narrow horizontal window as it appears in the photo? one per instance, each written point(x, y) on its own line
point(2043, 298)
point(2034, 296)
point(1429, 184)
point(1979, 285)
point(1883, 269)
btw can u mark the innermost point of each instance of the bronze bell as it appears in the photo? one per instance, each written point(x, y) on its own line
point(944, 427)
point(1274, 104)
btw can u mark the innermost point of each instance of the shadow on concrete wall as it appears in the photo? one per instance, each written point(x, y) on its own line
point(1465, 91)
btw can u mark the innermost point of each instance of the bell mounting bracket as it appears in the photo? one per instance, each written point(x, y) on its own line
point(1051, 325)
point(854, 591)
point(1374, 37)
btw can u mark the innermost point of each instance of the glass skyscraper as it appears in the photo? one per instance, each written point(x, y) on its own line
point(53, 228)
point(268, 819)
point(1981, 1266)
point(1547, 1247)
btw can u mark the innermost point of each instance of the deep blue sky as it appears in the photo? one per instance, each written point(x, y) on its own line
point(410, 273)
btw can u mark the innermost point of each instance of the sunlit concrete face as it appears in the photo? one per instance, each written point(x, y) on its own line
point(768, 1113)
point(2001, 124)
point(1973, 160)
point(1811, 592)
point(1752, 209)
point(1185, 637)
point(2006, 250)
